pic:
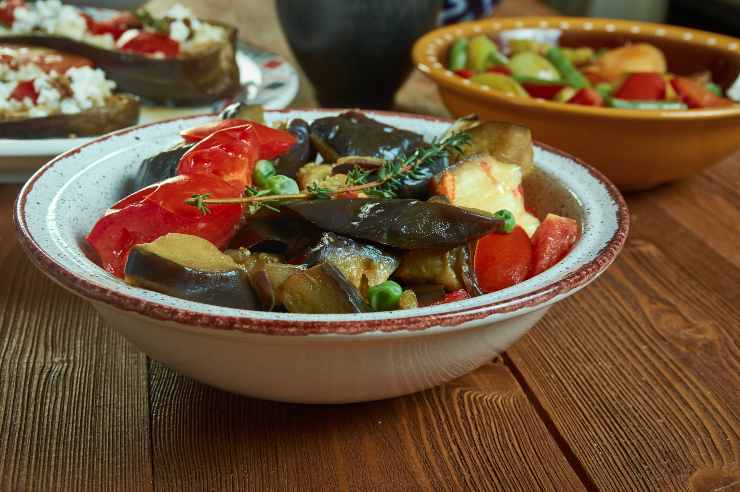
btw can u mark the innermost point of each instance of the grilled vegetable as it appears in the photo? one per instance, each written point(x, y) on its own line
point(500, 83)
point(458, 56)
point(321, 289)
point(431, 266)
point(360, 263)
point(632, 58)
point(553, 240)
point(385, 296)
point(185, 80)
point(119, 112)
point(568, 72)
point(354, 134)
point(484, 183)
point(502, 260)
point(239, 110)
point(483, 54)
point(159, 167)
point(504, 142)
point(403, 224)
point(531, 64)
point(302, 151)
point(190, 268)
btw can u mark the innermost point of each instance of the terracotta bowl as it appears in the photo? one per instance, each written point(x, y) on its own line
point(636, 149)
point(303, 357)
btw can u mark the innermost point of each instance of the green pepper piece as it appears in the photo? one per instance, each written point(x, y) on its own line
point(385, 296)
point(604, 89)
point(568, 72)
point(714, 88)
point(532, 65)
point(458, 55)
point(483, 54)
point(661, 105)
point(501, 83)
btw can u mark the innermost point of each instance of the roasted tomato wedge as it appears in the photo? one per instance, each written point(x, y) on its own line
point(160, 209)
point(696, 95)
point(455, 295)
point(553, 240)
point(7, 11)
point(587, 97)
point(272, 142)
point(150, 43)
point(644, 86)
point(502, 260)
point(24, 90)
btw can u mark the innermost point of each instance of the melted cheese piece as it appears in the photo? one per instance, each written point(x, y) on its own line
point(484, 183)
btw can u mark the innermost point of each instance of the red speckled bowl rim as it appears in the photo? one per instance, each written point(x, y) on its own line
point(454, 316)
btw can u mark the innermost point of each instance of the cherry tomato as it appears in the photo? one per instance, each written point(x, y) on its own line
point(553, 240)
point(160, 209)
point(455, 295)
point(7, 11)
point(23, 90)
point(587, 97)
point(150, 43)
point(114, 26)
point(695, 95)
point(643, 86)
point(272, 142)
point(543, 91)
point(502, 260)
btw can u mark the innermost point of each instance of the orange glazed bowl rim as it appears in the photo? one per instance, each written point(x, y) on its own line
point(429, 49)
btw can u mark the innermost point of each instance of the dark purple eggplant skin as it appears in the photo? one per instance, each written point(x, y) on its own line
point(302, 152)
point(398, 223)
point(354, 134)
point(229, 289)
point(120, 111)
point(159, 167)
point(274, 232)
point(182, 81)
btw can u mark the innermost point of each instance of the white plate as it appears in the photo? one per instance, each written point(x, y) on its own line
point(266, 78)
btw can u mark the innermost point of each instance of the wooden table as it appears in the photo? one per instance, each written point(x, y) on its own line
point(631, 384)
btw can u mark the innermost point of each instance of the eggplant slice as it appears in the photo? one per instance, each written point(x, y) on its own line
point(210, 75)
point(190, 268)
point(354, 134)
point(398, 223)
point(159, 167)
point(302, 152)
point(321, 289)
point(119, 111)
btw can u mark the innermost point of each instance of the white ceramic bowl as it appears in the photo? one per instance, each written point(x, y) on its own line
point(302, 357)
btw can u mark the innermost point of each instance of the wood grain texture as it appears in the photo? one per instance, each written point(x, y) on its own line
point(477, 433)
point(73, 398)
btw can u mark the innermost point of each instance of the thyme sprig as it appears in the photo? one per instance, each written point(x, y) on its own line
point(388, 181)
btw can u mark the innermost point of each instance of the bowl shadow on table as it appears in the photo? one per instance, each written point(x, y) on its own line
point(238, 434)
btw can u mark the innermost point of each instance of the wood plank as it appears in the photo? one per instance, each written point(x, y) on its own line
point(477, 433)
point(73, 399)
point(639, 374)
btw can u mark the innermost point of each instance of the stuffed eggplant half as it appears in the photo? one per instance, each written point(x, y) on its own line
point(46, 93)
point(175, 58)
point(343, 214)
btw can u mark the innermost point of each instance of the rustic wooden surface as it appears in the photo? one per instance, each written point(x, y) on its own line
point(631, 384)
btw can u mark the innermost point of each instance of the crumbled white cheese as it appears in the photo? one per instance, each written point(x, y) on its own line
point(179, 31)
point(179, 11)
point(126, 37)
point(48, 93)
point(52, 17)
point(89, 86)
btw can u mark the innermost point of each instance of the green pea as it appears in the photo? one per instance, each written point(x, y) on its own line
point(263, 170)
point(508, 218)
point(385, 296)
point(281, 185)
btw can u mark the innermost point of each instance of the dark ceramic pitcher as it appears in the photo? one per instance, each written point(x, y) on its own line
point(356, 52)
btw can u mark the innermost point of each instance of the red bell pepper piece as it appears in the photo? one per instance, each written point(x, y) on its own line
point(160, 209)
point(114, 26)
point(24, 89)
point(587, 97)
point(644, 86)
point(7, 11)
point(464, 73)
point(502, 260)
point(695, 95)
point(543, 91)
point(502, 69)
point(553, 240)
point(150, 43)
point(272, 142)
point(455, 295)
